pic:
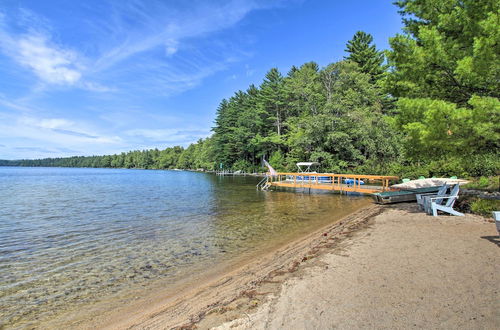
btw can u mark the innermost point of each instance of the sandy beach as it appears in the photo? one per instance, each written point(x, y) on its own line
point(381, 267)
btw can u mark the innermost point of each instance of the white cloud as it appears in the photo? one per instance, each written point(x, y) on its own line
point(130, 28)
point(168, 27)
point(13, 105)
point(145, 50)
point(248, 71)
point(52, 123)
point(95, 87)
point(50, 63)
point(171, 47)
point(60, 131)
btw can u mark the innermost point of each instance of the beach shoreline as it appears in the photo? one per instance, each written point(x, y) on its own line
point(192, 302)
point(408, 270)
point(246, 297)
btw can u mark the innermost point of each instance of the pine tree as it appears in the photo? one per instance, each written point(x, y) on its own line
point(272, 97)
point(365, 54)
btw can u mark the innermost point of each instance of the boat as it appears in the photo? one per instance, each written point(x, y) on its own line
point(353, 182)
point(403, 195)
point(307, 168)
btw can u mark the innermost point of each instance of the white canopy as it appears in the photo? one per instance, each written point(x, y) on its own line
point(307, 166)
point(307, 163)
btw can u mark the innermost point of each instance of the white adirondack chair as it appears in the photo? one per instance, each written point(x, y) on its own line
point(421, 198)
point(444, 203)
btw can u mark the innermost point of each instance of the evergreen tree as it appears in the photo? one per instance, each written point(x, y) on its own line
point(445, 70)
point(272, 98)
point(450, 50)
point(365, 54)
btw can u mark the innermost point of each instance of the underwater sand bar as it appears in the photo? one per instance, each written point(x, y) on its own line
point(193, 303)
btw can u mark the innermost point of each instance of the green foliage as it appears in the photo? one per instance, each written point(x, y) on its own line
point(491, 183)
point(450, 50)
point(243, 165)
point(485, 207)
point(334, 115)
point(277, 161)
point(198, 155)
point(362, 52)
point(438, 128)
point(445, 70)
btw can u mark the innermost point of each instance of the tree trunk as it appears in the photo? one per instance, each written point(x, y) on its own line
point(278, 123)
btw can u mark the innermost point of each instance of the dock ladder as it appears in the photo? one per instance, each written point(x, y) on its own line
point(263, 184)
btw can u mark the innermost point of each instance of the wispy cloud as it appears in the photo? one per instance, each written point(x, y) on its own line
point(96, 87)
point(156, 31)
point(46, 151)
point(52, 129)
point(169, 135)
point(171, 47)
point(87, 82)
point(249, 71)
point(74, 133)
point(166, 27)
point(35, 50)
point(50, 63)
point(13, 105)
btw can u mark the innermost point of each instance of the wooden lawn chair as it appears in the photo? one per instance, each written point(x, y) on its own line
point(444, 203)
point(421, 197)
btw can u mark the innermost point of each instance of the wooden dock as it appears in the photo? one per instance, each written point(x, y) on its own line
point(365, 184)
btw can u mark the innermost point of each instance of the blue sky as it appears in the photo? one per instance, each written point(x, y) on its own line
point(101, 77)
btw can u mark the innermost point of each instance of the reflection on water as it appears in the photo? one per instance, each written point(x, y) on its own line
point(72, 237)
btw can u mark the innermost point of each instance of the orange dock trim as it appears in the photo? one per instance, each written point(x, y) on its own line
point(334, 182)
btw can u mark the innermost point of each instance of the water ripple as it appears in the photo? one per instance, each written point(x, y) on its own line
point(72, 237)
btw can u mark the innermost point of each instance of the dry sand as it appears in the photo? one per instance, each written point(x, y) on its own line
point(382, 267)
point(409, 270)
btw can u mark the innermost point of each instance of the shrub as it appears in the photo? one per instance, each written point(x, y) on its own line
point(485, 206)
point(484, 183)
point(277, 161)
point(242, 165)
point(482, 165)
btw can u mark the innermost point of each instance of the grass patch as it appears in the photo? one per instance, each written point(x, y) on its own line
point(491, 183)
point(484, 207)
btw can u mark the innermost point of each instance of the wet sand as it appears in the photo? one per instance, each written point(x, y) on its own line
point(381, 267)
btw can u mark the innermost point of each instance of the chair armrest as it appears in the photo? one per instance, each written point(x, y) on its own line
point(443, 197)
point(426, 194)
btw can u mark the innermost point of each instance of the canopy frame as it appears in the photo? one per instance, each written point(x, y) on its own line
point(305, 167)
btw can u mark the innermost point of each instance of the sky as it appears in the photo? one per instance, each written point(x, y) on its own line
point(102, 77)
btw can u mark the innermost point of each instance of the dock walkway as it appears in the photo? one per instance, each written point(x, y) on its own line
point(366, 184)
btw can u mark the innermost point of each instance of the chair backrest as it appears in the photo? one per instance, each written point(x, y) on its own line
point(453, 194)
point(441, 192)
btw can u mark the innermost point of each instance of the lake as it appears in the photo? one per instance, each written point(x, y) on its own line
point(73, 238)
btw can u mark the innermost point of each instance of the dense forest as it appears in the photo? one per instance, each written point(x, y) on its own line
point(428, 106)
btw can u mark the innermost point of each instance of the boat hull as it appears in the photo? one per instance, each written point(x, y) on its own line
point(389, 197)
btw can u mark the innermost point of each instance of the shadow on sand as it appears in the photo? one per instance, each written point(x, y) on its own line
point(492, 239)
point(410, 207)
